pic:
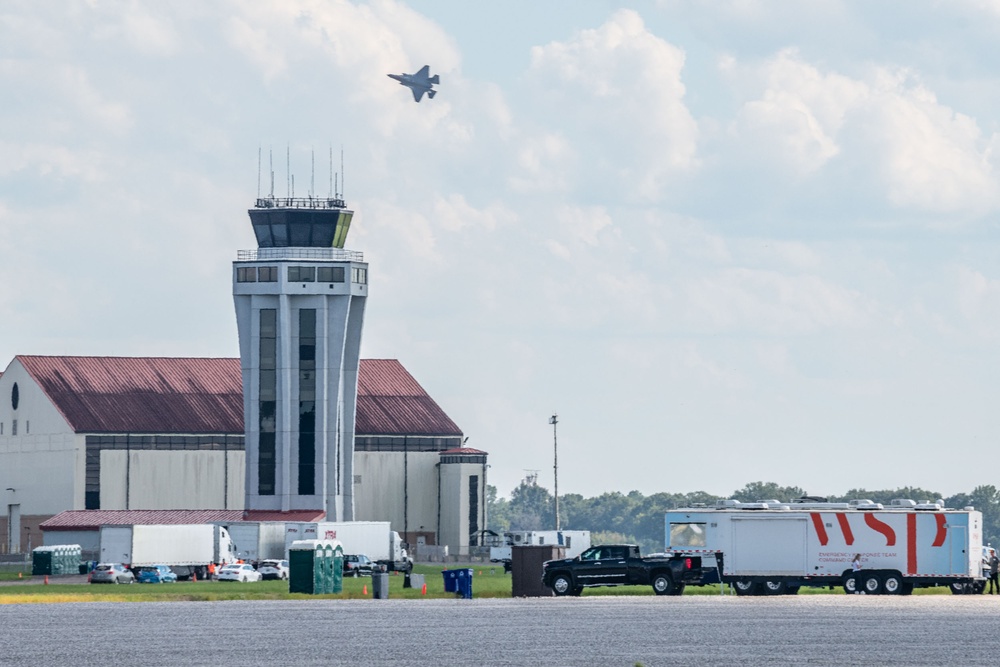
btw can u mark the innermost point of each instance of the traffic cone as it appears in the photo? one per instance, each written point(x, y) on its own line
point(46, 580)
point(18, 575)
point(423, 589)
point(364, 590)
point(480, 573)
point(194, 576)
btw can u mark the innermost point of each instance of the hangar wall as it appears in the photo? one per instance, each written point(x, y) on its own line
point(172, 479)
point(399, 488)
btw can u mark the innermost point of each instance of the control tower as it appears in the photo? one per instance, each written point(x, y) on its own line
point(300, 304)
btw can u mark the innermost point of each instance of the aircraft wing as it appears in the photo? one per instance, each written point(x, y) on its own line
point(417, 93)
point(424, 73)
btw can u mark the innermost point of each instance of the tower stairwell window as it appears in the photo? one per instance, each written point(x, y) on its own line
point(307, 401)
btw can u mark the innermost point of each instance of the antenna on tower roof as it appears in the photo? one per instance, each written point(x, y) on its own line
point(270, 160)
point(312, 175)
point(288, 171)
point(342, 178)
point(258, 171)
point(331, 171)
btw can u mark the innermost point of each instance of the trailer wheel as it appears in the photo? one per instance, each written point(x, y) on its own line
point(852, 584)
point(774, 588)
point(906, 589)
point(892, 584)
point(663, 583)
point(958, 588)
point(746, 587)
point(979, 587)
point(871, 584)
point(562, 584)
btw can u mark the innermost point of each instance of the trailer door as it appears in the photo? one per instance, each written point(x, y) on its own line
point(768, 545)
point(959, 550)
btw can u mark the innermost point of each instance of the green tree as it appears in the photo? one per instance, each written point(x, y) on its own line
point(755, 491)
point(531, 506)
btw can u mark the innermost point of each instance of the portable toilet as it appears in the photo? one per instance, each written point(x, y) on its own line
point(337, 567)
point(41, 560)
point(308, 568)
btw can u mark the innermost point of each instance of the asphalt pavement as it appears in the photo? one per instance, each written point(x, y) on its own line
point(689, 630)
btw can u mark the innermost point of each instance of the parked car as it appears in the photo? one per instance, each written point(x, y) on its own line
point(273, 569)
point(238, 572)
point(358, 565)
point(156, 574)
point(111, 573)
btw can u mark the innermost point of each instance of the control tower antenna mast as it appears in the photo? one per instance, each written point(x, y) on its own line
point(331, 171)
point(258, 171)
point(270, 161)
point(312, 173)
point(342, 178)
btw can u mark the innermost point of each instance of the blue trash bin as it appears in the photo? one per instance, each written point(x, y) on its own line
point(450, 581)
point(463, 583)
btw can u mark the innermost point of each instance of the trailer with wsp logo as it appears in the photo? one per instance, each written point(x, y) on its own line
point(774, 548)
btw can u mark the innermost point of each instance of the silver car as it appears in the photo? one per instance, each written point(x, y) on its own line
point(111, 573)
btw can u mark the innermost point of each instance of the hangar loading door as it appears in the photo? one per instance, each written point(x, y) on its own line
point(768, 546)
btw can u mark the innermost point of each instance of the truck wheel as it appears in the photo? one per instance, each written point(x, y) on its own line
point(906, 589)
point(678, 589)
point(892, 584)
point(792, 590)
point(562, 584)
point(774, 588)
point(746, 587)
point(871, 584)
point(957, 589)
point(577, 592)
point(663, 583)
point(979, 588)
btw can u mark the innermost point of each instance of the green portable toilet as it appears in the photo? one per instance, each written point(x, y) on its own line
point(337, 566)
point(41, 561)
point(304, 558)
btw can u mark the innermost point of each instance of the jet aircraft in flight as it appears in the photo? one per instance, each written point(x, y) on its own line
point(418, 83)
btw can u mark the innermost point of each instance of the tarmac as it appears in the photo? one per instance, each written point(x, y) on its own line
point(592, 630)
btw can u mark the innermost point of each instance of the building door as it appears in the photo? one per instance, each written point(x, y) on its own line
point(13, 529)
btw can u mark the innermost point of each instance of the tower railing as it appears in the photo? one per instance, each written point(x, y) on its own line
point(300, 202)
point(330, 254)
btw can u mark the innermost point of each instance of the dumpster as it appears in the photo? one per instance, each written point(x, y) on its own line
point(526, 569)
point(459, 582)
point(380, 586)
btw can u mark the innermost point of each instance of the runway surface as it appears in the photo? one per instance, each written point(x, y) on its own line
point(596, 631)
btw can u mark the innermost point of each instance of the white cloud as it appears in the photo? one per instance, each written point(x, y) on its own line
point(617, 89)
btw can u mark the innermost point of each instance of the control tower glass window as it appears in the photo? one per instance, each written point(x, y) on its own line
point(330, 274)
point(307, 401)
point(267, 402)
point(302, 274)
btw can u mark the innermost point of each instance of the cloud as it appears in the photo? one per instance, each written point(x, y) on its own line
point(887, 126)
point(617, 91)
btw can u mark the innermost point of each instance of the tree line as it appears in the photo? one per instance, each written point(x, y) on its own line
point(638, 519)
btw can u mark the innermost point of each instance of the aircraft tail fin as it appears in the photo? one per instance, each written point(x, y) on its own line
point(434, 79)
point(431, 93)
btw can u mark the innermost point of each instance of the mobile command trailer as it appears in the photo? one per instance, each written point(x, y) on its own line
point(575, 541)
point(772, 548)
point(186, 548)
point(371, 538)
point(257, 541)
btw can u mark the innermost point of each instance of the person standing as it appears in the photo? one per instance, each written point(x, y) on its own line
point(994, 569)
point(856, 573)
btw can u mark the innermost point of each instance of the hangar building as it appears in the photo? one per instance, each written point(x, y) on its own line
point(148, 433)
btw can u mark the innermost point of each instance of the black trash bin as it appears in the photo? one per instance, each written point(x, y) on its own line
point(380, 586)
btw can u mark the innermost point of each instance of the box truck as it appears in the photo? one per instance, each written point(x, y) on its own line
point(773, 548)
point(258, 540)
point(186, 548)
point(372, 538)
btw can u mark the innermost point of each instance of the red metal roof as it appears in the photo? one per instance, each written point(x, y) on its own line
point(94, 519)
point(391, 402)
point(142, 394)
point(193, 395)
point(463, 450)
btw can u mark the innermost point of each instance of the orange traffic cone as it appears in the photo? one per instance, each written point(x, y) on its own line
point(480, 573)
point(18, 575)
point(364, 590)
point(423, 589)
point(46, 580)
point(194, 576)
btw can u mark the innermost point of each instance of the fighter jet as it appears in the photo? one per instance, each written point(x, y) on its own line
point(418, 83)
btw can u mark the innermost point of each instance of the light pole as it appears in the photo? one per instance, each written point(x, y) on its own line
point(554, 419)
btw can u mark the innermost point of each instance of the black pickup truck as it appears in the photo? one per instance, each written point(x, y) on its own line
point(621, 565)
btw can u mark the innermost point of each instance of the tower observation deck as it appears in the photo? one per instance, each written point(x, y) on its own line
point(300, 301)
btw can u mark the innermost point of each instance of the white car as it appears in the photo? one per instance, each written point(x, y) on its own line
point(273, 569)
point(238, 572)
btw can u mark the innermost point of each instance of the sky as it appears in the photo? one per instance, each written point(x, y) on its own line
point(725, 242)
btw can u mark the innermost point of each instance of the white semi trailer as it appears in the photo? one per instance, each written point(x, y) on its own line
point(186, 548)
point(773, 548)
point(371, 538)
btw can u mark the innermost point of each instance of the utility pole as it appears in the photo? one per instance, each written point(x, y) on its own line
point(554, 419)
